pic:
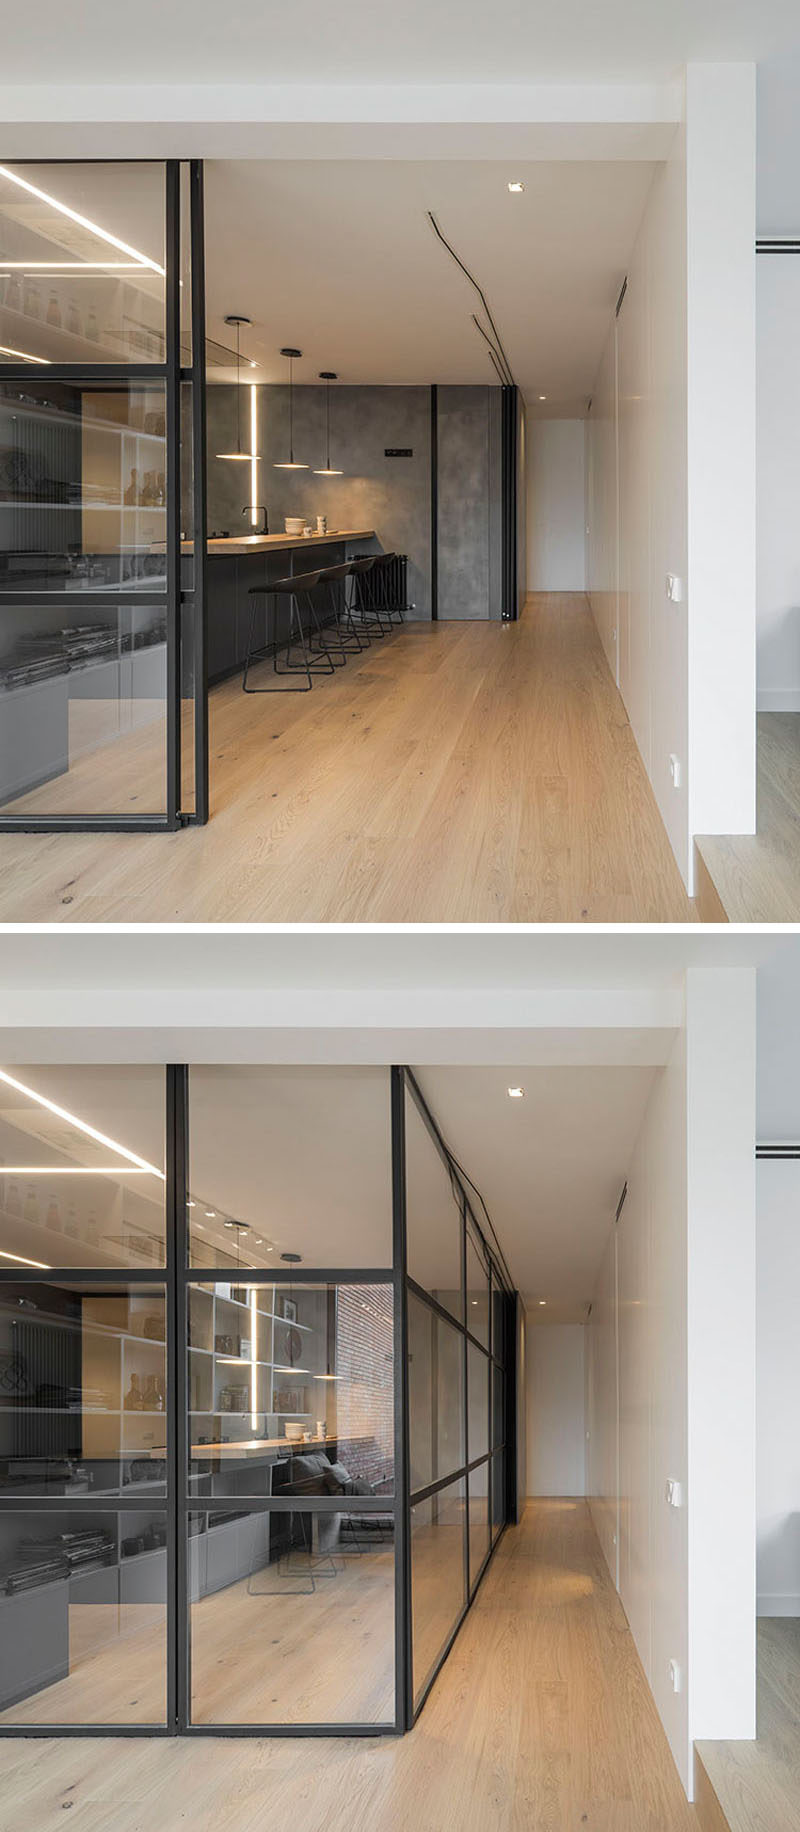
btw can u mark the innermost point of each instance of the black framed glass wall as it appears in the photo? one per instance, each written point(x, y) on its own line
point(230, 1422)
point(102, 471)
point(457, 1301)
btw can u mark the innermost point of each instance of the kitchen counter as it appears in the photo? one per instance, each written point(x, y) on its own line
point(271, 543)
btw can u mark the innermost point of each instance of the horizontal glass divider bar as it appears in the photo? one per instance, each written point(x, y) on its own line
point(434, 1488)
point(88, 1730)
point(293, 1504)
point(128, 596)
point(85, 823)
point(263, 1275)
point(433, 1304)
point(86, 1504)
point(83, 1275)
point(387, 1729)
point(83, 372)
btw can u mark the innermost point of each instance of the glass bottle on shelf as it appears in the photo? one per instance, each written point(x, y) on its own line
point(133, 1401)
point(132, 492)
point(33, 301)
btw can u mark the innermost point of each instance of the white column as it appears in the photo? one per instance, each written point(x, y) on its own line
point(720, 230)
point(721, 1234)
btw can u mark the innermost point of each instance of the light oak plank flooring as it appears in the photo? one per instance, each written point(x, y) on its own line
point(457, 772)
point(756, 877)
point(757, 1784)
point(540, 1721)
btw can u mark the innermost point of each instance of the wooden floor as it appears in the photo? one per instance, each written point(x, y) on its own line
point(540, 1721)
point(457, 772)
point(756, 1785)
point(756, 877)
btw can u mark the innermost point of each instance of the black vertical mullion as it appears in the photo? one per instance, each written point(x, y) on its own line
point(404, 1707)
point(199, 463)
point(175, 1192)
point(466, 1392)
point(173, 517)
point(180, 1142)
point(434, 503)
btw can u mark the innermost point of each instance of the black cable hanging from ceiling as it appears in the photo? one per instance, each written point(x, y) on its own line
point(508, 376)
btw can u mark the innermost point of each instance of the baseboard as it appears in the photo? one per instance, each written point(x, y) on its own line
point(778, 699)
point(778, 1603)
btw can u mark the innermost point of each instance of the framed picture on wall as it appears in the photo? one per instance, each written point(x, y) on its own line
point(287, 1310)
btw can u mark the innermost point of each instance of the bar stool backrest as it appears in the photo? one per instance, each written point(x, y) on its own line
point(330, 574)
point(301, 582)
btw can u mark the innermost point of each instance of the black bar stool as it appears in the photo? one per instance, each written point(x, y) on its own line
point(370, 622)
point(314, 661)
point(346, 638)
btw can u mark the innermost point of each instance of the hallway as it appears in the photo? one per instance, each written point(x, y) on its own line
point(457, 772)
point(541, 1718)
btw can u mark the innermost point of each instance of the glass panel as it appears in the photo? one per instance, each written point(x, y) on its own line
point(437, 1577)
point(498, 1406)
point(289, 1161)
point(83, 1617)
point(498, 1492)
point(478, 1519)
point(89, 290)
point(292, 1617)
point(82, 1166)
point(82, 486)
point(436, 1395)
point(498, 1322)
point(477, 1293)
point(433, 1217)
point(82, 1389)
point(478, 1375)
point(83, 713)
point(291, 1389)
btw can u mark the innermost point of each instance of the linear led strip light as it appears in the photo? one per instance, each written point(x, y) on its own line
point(84, 222)
point(24, 356)
point(91, 1132)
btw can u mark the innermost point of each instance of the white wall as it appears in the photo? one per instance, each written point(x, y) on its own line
point(778, 480)
point(684, 501)
point(674, 1396)
point(555, 1409)
point(778, 1387)
point(556, 507)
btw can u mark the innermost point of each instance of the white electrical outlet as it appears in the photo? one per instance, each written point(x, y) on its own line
point(674, 588)
point(675, 770)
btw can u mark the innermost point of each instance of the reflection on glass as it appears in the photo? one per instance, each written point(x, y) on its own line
point(478, 1377)
point(291, 1389)
point(433, 1218)
point(82, 1166)
point(498, 1492)
point(498, 1322)
point(285, 1160)
point(83, 1618)
point(83, 486)
point(478, 1520)
point(82, 1389)
point(436, 1395)
point(82, 263)
point(437, 1577)
point(498, 1406)
point(477, 1293)
point(292, 1617)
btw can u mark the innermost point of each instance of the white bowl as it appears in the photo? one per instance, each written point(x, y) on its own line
point(294, 524)
point(294, 1433)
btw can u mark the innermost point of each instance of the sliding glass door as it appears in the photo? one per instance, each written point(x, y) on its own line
point(252, 1400)
point(102, 488)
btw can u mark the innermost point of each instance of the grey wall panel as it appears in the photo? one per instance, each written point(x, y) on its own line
point(391, 495)
point(469, 503)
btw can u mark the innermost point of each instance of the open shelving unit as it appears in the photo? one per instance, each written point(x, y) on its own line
point(252, 1370)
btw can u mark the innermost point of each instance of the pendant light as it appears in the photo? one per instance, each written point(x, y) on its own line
point(238, 457)
point(289, 464)
point(327, 470)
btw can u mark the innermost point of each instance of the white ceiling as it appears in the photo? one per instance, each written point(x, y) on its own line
point(340, 260)
point(355, 41)
point(550, 1166)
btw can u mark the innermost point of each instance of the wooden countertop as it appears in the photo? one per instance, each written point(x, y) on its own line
point(271, 543)
point(255, 1447)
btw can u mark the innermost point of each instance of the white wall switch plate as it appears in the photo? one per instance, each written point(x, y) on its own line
point(674, 588)
point(675, 770)
point(675, 1676)
point(674, 1492)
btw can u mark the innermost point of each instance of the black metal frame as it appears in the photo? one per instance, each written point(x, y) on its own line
point(434, 437)
point(172, 374)
point(509, 409)
point(176, 1276)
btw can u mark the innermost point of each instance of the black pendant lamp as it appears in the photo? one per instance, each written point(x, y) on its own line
point(238, 457)
point(289, 464)
point(327, 469)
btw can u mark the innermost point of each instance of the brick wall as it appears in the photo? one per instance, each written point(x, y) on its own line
point(365, 1387)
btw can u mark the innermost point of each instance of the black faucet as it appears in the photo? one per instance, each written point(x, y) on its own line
point(256, 509)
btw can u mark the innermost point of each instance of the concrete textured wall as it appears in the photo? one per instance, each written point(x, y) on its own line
point(469, 503)
point(391, 495)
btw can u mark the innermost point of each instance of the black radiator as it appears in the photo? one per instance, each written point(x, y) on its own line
point(396, 577)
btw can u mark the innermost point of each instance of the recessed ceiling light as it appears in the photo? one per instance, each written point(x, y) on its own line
point(516, 1093)
point(190, 1204)
point(542, 1301)
point(516, 184)
point(474, 1300)
point(543, 397)
point(210, 1214)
